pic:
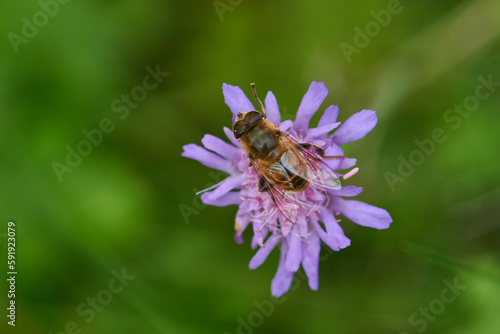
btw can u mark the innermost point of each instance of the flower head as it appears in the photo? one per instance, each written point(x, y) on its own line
point(317, 221)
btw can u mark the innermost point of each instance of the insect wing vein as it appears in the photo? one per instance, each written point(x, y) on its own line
point(317, 173)
point(286, 202)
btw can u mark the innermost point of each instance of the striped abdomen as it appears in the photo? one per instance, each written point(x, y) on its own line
point(290, 172)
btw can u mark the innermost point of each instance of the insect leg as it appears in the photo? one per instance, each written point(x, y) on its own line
point(321, 151)
point(263, 185)
point(250, 157)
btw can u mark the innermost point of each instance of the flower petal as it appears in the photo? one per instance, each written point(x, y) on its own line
point(224, 187)
point(272, 109)
point(236, 99)
point(294, 254)
point(283, 279)
point(230, 136)
point(363, 214)
point(249, 205)
point(231, 198)
point(315, 194)
point(263, 252)
point(327, 239)
point(310, 263)
point(284, 126)
point(207, 158)
point(347, 163)
point(329, 116)
point(348, 191)
point(220, 147)
point(334, 230)
point(238, 238)
point(240, 225)
point(243, 165)
point(258, 235)
point(320, 130)
point(334, 151)
point(311, 101)
point(343, 163)
point(355, 127)
point(321, 142)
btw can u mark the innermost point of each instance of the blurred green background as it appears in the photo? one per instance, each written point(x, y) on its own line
point(118, 209)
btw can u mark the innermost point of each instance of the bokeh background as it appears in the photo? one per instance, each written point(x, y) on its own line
point(118, 209)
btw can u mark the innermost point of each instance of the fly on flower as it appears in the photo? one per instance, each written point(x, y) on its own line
point(283, 165)
point(297, 165)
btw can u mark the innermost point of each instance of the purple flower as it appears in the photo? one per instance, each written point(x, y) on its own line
point(299, 242)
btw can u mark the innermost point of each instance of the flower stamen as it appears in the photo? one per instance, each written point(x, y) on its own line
point(350, 173)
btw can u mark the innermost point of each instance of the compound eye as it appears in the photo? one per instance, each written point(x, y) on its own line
point(253, 117)
point(239, 128)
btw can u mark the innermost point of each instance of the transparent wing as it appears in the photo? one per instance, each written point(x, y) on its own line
point(286, 202)
point(318, 172)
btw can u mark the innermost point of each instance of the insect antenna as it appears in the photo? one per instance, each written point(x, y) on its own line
point(257, 99)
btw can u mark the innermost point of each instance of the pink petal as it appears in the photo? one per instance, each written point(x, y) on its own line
point(362, 213)
point(334, 230)
point(334, 151)
point(286, 125)
point(310, 263)
point(230, 136)
point(329, 116)
point(272, 109)
point(347, 163)
point(207, 158)
point(355, 127)
point(283, 279)
point(249, 205)
point(220, 147)
point(347, 191)
point(231, 198)
point(294, 254)
point(320, 130)
point(327, 239)
point(224, 187)
point(236, 99)
point(263, 252)
point(311, 101)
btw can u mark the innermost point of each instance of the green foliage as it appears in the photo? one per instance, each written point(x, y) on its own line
point(119, 207)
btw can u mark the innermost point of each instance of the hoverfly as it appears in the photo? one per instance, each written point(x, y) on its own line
point(285, 167)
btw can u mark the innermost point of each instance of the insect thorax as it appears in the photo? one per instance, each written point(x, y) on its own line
point(262, 141)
